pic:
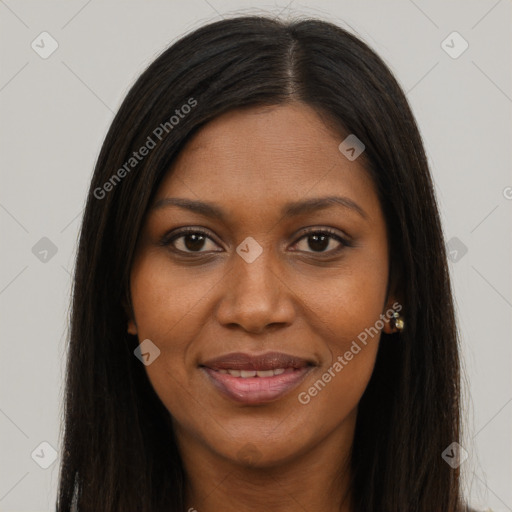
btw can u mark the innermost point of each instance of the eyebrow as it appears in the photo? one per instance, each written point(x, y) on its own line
point(291, 209)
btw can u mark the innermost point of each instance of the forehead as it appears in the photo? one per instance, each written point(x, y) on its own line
point(267, 155)
point(268, 128)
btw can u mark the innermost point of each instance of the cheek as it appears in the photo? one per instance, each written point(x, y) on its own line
point(346, 312)
point(348, 301)
point(339, 385)
point(165, 297)
point(169, 309)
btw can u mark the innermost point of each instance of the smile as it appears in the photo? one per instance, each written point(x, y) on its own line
point(256, 379)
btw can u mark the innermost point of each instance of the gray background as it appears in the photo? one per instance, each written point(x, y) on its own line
point(55, 113)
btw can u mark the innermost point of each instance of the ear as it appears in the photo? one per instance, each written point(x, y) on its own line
point(131, 325)
point(394, 301)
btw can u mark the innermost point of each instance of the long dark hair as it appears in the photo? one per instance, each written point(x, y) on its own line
point(119, 452)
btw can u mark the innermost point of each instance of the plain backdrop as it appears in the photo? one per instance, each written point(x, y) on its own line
point(55, 112)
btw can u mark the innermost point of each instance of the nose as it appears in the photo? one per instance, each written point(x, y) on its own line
point(255, 296)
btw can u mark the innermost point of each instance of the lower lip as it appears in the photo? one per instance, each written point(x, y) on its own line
point(256, 390)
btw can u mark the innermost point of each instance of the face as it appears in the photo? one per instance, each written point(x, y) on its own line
point(257, 290)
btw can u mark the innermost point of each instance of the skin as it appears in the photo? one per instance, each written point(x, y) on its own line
point(294, 298)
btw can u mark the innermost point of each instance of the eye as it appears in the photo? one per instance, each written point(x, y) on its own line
point(193, 240)
point(321, 241)
point(190, 240)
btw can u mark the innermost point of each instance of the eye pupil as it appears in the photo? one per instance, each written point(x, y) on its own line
point(320, 242)
point(194, 241)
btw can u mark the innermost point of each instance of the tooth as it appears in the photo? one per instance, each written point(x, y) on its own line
point(265, 373)
point(245, 374)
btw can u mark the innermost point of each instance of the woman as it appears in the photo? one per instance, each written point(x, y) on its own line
point(262, 314)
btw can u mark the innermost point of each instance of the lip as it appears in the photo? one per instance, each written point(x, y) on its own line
point(256, 390)
point(266, 361)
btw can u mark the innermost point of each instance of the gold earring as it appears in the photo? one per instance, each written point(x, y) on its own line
point(397, 321)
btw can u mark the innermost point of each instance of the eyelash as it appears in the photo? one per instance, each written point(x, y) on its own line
point(168, 239)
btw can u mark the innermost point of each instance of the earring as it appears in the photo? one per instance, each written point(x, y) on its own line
point(397, 321)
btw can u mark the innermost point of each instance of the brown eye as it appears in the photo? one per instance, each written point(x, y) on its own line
point(325, 241)
point(190, 241)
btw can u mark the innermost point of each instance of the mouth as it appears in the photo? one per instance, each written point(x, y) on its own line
point(256, 379)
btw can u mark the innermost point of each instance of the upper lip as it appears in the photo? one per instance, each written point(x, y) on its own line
point(258, 362)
